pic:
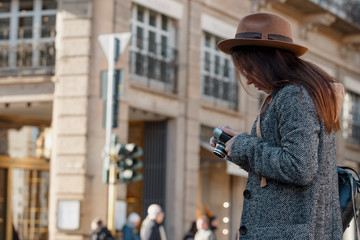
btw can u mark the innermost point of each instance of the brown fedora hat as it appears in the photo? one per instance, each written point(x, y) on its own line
point(263, 29)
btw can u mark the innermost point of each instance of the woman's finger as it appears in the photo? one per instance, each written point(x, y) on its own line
point(212, 142)
point(228, 146)
point(229, 131)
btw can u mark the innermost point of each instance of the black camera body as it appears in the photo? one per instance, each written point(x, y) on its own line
point(220, 139)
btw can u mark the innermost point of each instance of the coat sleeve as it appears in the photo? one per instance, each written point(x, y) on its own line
point(295, 161)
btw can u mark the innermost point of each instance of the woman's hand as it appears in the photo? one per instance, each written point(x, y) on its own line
point(229, 143)
point(212, 141)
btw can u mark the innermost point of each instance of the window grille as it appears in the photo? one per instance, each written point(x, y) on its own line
point(152, 52)
point(219, 83)
point(27, 37)
point(154, 182)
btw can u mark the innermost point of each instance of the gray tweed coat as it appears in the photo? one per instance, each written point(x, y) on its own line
point(298, 158)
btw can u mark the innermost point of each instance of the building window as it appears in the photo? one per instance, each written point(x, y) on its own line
point(152, 51)
point(219, 83)
point(27, 36)
point(351, 117)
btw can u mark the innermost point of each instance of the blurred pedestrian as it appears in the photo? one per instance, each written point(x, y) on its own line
point(203, 232)
point(15, 235)
point(192, 231)
point(99, 231)
point(152, 228)
point(213, 224)
point(129, 229)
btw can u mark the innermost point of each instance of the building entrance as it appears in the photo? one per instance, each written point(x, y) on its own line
point(24, 184)
point(24, 191)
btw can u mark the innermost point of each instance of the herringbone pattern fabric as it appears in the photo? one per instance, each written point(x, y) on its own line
point(298, 159)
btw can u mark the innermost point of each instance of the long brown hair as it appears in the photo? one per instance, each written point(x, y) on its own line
point(273, 69)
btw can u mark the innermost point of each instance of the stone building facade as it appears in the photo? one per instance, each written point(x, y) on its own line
point(176, 88)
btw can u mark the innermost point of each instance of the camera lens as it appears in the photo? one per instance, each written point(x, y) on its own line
point(220, 150)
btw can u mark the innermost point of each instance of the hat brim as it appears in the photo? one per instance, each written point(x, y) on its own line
point(227, 45)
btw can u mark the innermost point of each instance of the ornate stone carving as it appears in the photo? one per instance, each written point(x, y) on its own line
point(350, 42)
point(312, 21)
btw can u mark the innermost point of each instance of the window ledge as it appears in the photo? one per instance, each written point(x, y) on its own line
point(352, 146)
point(25, 80)
point(158, 90)
point(220, 109)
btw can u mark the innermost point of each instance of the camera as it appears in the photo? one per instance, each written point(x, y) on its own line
point(220, 139)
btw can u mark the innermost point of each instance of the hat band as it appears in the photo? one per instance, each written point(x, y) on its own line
point(256, 35)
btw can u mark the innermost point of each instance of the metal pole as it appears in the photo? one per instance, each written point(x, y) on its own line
point(108, 127)
point(109, 101)
point(112, 200)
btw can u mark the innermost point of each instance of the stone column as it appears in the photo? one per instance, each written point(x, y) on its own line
point(192, 109)
point(70, 109)
point(109, 16)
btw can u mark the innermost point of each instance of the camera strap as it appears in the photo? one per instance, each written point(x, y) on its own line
point(264, 104)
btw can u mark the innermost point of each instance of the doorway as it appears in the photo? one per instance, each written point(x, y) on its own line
point(24, 191)
point(24, 185)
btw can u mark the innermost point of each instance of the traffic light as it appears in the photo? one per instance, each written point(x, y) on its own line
point(128, 162)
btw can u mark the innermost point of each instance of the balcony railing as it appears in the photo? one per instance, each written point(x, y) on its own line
point(27, 59)
point(155, 69)
point(346, 9)
point(26, 54)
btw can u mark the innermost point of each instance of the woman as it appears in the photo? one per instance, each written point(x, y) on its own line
point(292, 187)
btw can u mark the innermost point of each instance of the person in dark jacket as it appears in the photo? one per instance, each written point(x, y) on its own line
point(15, 235)
point(152, 228)
point(213, 224)
point(129, 228)
point(99, 231)
point(192, 231)
point(292, 186)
